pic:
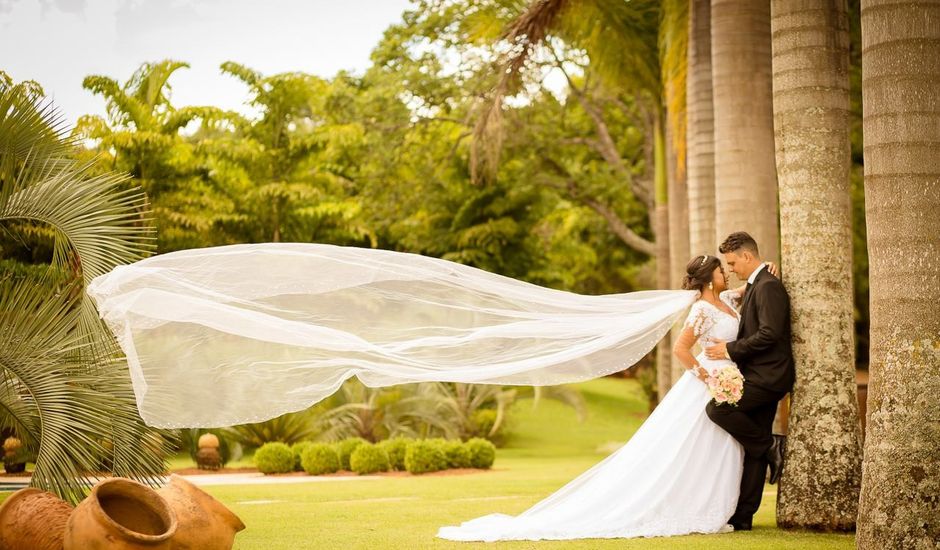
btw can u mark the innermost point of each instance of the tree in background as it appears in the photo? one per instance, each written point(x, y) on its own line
point(142, 137)
point(745, 174)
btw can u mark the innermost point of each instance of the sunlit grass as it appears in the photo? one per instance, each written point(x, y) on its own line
point(549, 448)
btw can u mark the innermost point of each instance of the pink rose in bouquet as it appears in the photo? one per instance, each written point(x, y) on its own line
point(726, 385)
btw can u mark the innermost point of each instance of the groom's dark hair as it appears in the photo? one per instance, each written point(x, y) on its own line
point(737, 241)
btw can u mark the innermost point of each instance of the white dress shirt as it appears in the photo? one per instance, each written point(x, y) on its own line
point(750, 280)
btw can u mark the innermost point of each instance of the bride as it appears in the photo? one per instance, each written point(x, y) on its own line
point(680, 473)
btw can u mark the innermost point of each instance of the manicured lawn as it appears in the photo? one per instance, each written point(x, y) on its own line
point(550, 448)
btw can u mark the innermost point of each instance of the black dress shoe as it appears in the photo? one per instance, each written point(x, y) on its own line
point(775, 457)
point(740, 525)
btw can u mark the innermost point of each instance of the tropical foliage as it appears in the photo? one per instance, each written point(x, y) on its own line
point(63, 389)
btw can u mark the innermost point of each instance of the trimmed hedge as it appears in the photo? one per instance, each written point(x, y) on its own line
point(298, 450)
point(368, 459)
point(395, 449)
point(482, 453)
point(320, 458)
point(458, 455)
point(274, 458)
point(345, 449)
point(423, 456)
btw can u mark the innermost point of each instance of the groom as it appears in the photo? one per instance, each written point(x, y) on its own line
point(763, 354)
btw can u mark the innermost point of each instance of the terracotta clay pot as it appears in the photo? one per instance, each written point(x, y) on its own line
point(204, 522)
point(31, 519)
point(121, 514)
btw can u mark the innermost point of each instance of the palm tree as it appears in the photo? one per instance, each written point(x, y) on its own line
point(819, 489)
point(673, 53)
point(746, 189)
point(901, 120)
point(62, 389)
point(701, 132)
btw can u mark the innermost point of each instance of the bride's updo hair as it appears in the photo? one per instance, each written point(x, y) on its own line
point(699, 272)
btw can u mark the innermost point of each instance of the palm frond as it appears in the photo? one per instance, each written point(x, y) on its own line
point(122, 107)
point(56, 401)
point(249, 76)
point(149, 84)
point(64, 383)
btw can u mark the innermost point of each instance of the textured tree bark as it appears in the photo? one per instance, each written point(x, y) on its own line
point(820, 484)
point(745, 175)
point(661, 229)
point(700, 134)
point(678, 234)
point(900, 495)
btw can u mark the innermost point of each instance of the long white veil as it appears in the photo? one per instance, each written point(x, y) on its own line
point(243, 333)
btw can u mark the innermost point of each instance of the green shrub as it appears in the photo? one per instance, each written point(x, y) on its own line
point(438, 442)
point(395, 449)
point(345, 449)
point(368, 459)
point(424, 456)
point(319, 458)
point(482, 453)
point(274, 458)
point(458, 455)
point(298, 450)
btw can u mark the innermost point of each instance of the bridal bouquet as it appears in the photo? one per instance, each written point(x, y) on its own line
point(726, 385)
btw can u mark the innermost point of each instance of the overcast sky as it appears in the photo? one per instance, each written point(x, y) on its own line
point(59, 42)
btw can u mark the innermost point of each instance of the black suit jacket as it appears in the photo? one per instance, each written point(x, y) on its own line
point(763, 351)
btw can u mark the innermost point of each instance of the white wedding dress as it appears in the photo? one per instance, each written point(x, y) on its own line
point(679, 474)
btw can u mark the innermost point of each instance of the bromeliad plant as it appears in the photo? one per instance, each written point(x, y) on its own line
point(63, 387)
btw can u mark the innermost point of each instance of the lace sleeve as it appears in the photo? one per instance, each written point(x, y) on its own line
point(699, 320)
point(731, 297)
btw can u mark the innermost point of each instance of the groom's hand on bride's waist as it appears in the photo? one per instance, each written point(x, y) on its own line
point(717, 351)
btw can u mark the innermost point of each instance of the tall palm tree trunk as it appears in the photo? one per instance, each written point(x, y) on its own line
point(746, 188)
point(900, 495)
point(678, 233)
point(700, 135)
point(661, 230)
point(820, 486)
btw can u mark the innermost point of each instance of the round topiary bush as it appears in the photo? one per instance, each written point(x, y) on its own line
point(395, 449)
point(368, 459)
point(458, 455)
point(319, 458)
point(424, 456)
point(345, 449)
point(274, 458)
point(298, 450)
point(482, 453)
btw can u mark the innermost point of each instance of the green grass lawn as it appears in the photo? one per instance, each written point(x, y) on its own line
point(550, 447)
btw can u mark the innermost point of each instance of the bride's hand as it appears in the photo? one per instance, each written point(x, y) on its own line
point(773, 269)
